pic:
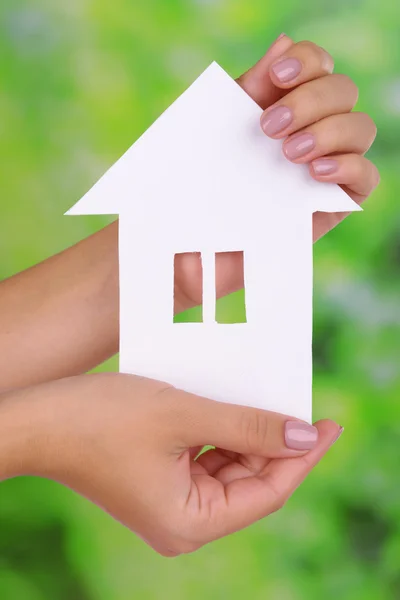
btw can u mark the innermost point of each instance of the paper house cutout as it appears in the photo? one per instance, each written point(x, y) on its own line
point(205, 178)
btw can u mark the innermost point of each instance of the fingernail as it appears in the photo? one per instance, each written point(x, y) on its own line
point(272, 46)
point(338, 435)
point(275, 120)
point(300, 436)
point(324, 166)
point(299, 145)
point(287, 69)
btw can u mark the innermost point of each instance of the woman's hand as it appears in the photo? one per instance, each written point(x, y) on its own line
point(129, 445)
point(309, 109)
point(60, 318)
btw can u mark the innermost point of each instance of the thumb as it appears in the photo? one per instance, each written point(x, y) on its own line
point(241, 429)
point(257, 82)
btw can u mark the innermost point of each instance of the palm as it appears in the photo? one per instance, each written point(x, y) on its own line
point(213, 477)
point(225, 491)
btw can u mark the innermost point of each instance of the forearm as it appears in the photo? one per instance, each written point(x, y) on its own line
point(60, 317)
point(21, 439)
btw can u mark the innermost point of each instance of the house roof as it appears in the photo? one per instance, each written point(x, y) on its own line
point(207, 149)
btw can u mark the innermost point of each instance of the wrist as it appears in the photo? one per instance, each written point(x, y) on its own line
point(22, 436)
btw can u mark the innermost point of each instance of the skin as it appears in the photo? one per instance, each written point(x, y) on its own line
point(127, 443)
point(60, 318)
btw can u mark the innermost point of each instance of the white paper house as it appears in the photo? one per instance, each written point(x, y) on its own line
point(205, 178)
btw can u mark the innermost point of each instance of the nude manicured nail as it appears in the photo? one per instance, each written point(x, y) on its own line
point(300, 436)
point(338, 435)
point(287, 69)
point(275, 120)
point(278, 39)
point(299, 146)
point(325, 166)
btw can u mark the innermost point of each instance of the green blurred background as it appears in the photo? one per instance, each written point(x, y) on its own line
point(80, 80)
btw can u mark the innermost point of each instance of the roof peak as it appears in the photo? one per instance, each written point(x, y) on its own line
point(208, 142)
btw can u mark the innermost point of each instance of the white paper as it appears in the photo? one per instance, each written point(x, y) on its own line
point(205, 178)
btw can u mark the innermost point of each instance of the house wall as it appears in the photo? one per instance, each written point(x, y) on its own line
point(265, 362)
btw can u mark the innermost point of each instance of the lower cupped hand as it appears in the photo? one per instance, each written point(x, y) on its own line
point(131, 446)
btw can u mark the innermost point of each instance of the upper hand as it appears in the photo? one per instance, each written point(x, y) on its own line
point(309, 109)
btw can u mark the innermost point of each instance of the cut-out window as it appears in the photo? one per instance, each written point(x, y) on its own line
point(202, 271)
point(184, 264)
point(232, 308)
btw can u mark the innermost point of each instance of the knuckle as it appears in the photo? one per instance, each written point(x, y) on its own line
point(348, 85)
point(317, 54)
point(164, 406)
point(305, 44)
point(327, 62)
point(309, 47)
point(336, 130)
point(375, 176)
point(307, 462)
point(277, 497)
point(255, 429)
point(369, 122)
point(360, 167)
point(315, 97)
point(369, 126)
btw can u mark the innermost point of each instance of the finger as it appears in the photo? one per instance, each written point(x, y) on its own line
point(309, 103)
point(228, 272)
point(350, 132)
point(358, 177)
point(283, 477)
point(194, 452)
point(250, 499)
point(199, 421)
point(226, 466)
point(358, 173)
point(302, 62)
point(214, 460)
point(257, 81)
point(188, 280)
